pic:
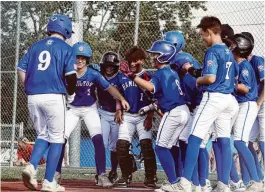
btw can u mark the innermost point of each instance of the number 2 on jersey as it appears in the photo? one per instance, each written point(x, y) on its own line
point(228, 65)
point(45, 60)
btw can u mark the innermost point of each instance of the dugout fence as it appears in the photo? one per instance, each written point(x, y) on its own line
point(105, 26)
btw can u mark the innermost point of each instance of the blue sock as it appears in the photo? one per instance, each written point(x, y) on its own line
point(191, 156)
point(195, 176)
point(175, 152)
point(54, 154)
point(254, 154)
point(217, 154)
point(167, 162)
point(183, 149)
point(60, 162)
point(39, 150)
point(233, 173)
point(226, 157)
point(114, 161)
point(248, 159)
point(202, 167)
point(244, 171)
point(100, 155)
point(206, 155)
point(261, 146)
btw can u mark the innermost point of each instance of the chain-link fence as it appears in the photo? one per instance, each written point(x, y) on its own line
point(105, 26)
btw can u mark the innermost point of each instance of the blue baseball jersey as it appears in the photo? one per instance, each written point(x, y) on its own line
point(257, 63)
point(167, 89)
point(193, 95)
point(46, 63)
point(105, 100)
point(86, 87)
point(181, 58)
point(247, 77)
point(219, 61)
point(134, 95)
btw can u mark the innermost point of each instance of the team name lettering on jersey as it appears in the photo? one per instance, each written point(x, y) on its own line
point(84, 83)
point(128, 84)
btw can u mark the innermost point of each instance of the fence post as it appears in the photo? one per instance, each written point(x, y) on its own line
point(74, 146)
point(74, 141)
point(137, 23)
point(21, 129)
point(14, 112)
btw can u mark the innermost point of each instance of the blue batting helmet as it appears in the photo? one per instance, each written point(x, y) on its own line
point(176, 38)
point(83, 49)
point(61, 24)
point(164, 48)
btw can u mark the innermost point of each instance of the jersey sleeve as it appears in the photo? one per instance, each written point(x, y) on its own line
point(70, 62)
point(260, 68)
point(101, 81)
point(180, 59)
point(155, 82)
point(244, 76)
point(23, 63)
point(210, 64)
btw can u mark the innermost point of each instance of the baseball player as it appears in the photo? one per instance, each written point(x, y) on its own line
point(84, 106)
point(246, 96)
point(235, 184)
point(257, 63)
point(218, 105)
point(43, 71)
point(165, 85)
point(133, 121)
point(109, 67)
point(193, 97)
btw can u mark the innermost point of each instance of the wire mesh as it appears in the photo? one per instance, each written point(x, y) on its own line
point(111, 26)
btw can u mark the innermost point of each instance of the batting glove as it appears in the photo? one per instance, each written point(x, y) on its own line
point(143, 111)
point(70, 98)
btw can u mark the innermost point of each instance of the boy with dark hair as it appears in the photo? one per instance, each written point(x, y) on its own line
point(218, 104)
point(132, 121)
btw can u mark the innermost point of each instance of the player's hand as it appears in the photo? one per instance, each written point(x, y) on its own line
point(70, 98)
point(118, 117)
point(148, 123)
point(144, 110)
point(186, 66)
point(125, 105)
point(124, 67)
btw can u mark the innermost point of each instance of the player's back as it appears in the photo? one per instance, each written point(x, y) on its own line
point(219, 58)
point(47, 61)
point(167, 89)
point(193, 95)
point(257, 63)
point(247, 77)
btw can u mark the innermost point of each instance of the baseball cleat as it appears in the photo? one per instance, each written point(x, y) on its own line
point(237, 187)
point(29, 177)
point(104, 181)
point(113, 177)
